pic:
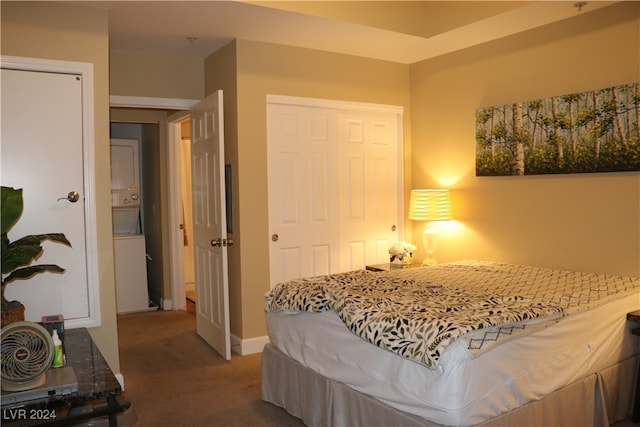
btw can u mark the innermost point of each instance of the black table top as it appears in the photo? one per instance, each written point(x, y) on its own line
point(95, 378)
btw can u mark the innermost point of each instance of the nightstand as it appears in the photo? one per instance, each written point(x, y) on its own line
point(634, 316)
point(391, 267)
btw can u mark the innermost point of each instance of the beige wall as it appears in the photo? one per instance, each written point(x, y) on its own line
point(272, 69)
point(134, 73)
point(588, 222)
point(75, 33)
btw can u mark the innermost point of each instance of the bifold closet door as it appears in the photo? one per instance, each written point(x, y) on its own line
point(334, 189)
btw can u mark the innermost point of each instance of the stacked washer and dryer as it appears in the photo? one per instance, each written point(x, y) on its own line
point(132, 293)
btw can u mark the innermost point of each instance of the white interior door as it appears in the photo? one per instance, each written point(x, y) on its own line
point(303, 186)
point(43, 143)
point(210, 224)
point(369, 187)
point(335, 195)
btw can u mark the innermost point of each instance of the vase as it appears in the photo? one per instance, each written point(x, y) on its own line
point(407, 260)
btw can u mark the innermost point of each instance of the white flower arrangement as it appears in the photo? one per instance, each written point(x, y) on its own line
point(401, 250)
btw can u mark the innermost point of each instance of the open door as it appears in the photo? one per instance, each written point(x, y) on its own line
point(210, 224)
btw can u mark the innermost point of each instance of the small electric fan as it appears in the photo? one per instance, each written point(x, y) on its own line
point(27, 353)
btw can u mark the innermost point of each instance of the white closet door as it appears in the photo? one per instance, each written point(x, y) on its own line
point(42, 153)
point(369, 187)
point(334, 187)
point(303, 191)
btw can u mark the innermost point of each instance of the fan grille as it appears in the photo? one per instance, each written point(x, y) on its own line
point(27, 352)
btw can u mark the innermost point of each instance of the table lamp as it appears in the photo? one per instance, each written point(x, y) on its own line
point(431, 206)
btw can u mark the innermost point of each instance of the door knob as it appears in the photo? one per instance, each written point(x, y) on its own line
point(73, 197)
point(222, 242)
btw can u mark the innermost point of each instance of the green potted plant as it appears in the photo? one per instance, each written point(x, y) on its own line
point(18, 255)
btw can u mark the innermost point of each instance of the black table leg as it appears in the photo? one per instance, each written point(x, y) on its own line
point(636, 405)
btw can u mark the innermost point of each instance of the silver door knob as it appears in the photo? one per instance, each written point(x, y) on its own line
point(222, 242)
point(73, 197)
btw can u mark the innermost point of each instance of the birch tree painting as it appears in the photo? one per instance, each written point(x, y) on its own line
point(595, 131)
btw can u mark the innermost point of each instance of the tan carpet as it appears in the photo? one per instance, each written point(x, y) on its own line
point(173, 378)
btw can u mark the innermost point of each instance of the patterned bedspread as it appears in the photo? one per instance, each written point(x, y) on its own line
point(417, 313)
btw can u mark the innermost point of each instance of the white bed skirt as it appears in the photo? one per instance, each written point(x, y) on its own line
point(597, 400)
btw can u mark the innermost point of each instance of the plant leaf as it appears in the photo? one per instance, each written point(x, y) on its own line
point(18, 256)
point(24, 273)
point(37, 239)
point(12, 206)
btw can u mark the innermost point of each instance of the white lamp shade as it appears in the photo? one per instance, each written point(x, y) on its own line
point(430, 205)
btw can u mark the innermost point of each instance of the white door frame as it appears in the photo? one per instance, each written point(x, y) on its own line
point(176, 236)
point(85, 70)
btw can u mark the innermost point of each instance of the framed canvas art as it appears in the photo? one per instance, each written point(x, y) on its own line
point(594, 131)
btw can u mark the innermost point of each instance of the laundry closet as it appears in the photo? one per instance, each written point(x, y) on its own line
point(130, 242)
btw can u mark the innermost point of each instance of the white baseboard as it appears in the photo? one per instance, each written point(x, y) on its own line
point(120, 379)
point(238, 345)
point(248, 346)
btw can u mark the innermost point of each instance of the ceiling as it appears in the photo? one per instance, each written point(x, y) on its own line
point(167, 26)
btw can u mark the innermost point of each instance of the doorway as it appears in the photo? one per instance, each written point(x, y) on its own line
point(147, 132)
point(147, 135)
point(187, 216)
point(182, 263)
point(167, 114)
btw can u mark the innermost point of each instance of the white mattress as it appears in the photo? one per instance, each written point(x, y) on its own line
point(461, 390)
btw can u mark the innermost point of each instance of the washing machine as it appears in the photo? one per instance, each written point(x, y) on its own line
point(131, 273)
point(129, 245)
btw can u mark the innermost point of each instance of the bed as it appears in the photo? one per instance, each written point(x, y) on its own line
point(459, 344)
